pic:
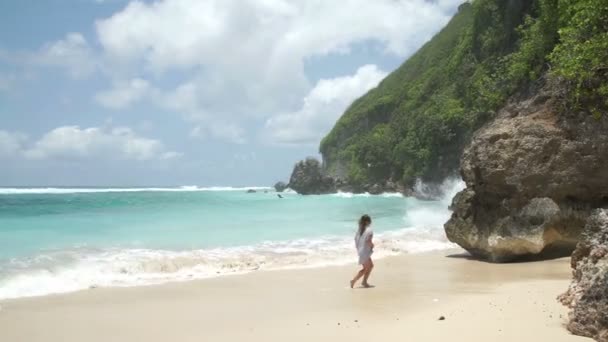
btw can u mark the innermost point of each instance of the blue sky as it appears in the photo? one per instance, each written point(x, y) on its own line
point(184, 92)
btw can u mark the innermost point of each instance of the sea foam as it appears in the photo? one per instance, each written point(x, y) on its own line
point(185, 188)
point(83, 268)
point(365, 194)
point(79, 269)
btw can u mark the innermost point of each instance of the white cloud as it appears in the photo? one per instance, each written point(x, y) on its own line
point(124, 93)
point(224, 131)
point(322, 107)
point(185, 100)
point(228, 132)
point(11, 143)
point(238, 60)
point(184, 33)
point(72, 53)
point(245, 59)
point(74, 143)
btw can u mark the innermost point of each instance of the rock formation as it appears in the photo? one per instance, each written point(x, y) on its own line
point(280, 186)
point(310, 178)
point(588, 294)
point(533, 176)
point(307, 178)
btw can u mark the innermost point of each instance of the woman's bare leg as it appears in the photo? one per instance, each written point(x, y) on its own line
point(368, 271)
point(358, 276)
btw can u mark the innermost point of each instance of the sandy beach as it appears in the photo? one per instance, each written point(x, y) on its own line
point(480, 302)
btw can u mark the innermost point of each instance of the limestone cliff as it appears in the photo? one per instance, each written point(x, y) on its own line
point(533, 177)
point(588, 294)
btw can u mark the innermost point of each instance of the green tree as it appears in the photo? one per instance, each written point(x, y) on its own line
point(581, 58)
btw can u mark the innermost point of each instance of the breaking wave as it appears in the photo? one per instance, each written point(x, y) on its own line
point(185, 188)
point(81, 268)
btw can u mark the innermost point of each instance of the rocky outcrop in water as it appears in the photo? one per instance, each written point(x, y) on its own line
point(588, 294)
point(533, 176)
point(280, 186)
point(307, 178)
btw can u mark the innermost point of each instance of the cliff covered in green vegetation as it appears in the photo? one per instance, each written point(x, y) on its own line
point(418, 120)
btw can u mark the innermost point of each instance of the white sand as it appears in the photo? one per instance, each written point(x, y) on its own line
point(480, 301)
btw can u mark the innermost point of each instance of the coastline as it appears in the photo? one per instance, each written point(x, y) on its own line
point(480, 301)
point(70, 240)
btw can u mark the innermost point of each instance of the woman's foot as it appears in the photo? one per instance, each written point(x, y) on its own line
point(366, 285)
point(352, 284)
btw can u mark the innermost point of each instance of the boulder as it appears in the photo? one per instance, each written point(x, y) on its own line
point(532, 178)
point(375, 189)
point(587, 296)
point(307, 178)
point(280, 186)
point(391, 186)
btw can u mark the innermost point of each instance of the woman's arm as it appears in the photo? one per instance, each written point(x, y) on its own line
point(369, 241)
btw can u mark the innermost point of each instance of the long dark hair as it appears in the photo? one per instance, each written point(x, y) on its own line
point(364, 222)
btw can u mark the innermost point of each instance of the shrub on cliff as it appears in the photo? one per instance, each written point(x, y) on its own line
point(581, 58)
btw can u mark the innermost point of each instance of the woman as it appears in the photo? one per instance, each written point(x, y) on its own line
point(365, 248)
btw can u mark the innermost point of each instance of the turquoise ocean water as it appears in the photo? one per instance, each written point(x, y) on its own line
point(55, 240)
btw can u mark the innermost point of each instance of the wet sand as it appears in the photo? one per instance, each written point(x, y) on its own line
point(479, 301)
